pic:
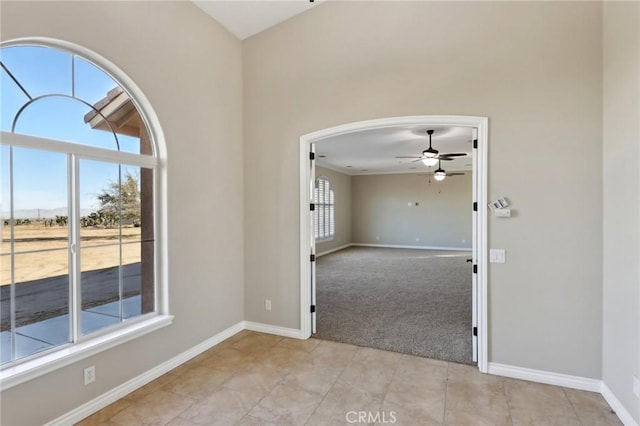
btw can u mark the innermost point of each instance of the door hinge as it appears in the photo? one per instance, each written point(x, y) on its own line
point(312, 258)
point(312, 207)
point(475, 206)
point(313, 308)
point(475, 143)
point(475, 269)
point(312, 156)
point(475, 331)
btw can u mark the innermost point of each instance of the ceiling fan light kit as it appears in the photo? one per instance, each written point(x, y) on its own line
point(429, 161)
point(439, 175)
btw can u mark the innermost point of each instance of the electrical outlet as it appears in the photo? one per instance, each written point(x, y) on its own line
point(267, 305)
point(636, 386)
point(89, 375)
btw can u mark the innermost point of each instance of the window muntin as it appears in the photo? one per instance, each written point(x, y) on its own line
point(26, 64)
point(37, 100)
point(66, 101)
point(325, 210)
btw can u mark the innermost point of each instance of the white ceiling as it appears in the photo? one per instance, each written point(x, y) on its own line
point(245, 18)
point(374, 151)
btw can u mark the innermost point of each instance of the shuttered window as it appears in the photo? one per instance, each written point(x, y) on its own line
point(325, 209)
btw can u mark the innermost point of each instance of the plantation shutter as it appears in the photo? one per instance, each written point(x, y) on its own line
point(324, 201)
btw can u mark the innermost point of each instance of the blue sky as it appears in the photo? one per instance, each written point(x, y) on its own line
point(40, 178)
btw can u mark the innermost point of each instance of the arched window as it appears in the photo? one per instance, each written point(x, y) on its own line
point(324, 217)
point(78, 194)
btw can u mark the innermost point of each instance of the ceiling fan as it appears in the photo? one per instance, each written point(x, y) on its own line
point(440, 174)
point(431, 156)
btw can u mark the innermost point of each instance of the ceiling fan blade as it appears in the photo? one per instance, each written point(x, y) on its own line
point(413, 156)
point(453, 154)
point(445, 159)
point(455, 174)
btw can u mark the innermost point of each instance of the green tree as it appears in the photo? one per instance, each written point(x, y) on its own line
point(120, 200)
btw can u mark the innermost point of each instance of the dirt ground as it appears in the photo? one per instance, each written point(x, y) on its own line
point(55, 261)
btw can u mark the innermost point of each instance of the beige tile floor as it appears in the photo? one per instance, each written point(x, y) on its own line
point(259, 379)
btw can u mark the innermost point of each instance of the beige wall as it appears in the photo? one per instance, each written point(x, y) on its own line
point(341, 185)
point(533, 68)
point(382, 215)
point(621, 212)
point(191, 71)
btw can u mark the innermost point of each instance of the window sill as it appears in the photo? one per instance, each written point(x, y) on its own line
point(23, 372)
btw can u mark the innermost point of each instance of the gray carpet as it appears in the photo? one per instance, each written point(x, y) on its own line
point(410, 301)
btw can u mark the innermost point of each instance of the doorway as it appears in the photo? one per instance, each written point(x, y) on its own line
point(479, 190)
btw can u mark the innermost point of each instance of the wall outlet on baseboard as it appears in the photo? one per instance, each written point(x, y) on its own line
point(636, 386)
point(267, 305)
point(89, 375)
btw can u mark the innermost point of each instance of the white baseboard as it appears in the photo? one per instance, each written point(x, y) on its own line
point(333, 250)
point(567, 381)
point(622, 413)
point(412, 247)
point(392, 246)
point(96, 404)
point(539, 376)
point(273, 329)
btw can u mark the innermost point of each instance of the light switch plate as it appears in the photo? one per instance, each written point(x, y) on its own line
point(497, 256)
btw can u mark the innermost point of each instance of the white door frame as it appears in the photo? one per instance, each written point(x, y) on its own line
point(307, 243)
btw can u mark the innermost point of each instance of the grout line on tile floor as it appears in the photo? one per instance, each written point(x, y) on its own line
point(321, 401)
point(393, 376)
point(193, 402)
point(278, 383)
point(573, 407)
point(446, 392)
point(506, 397)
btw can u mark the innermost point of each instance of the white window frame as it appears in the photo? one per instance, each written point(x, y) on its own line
point(328, 209)
point(36, 365)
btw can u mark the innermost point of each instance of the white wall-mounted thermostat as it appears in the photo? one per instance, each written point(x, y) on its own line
point(499, 203)
point(499, 207)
